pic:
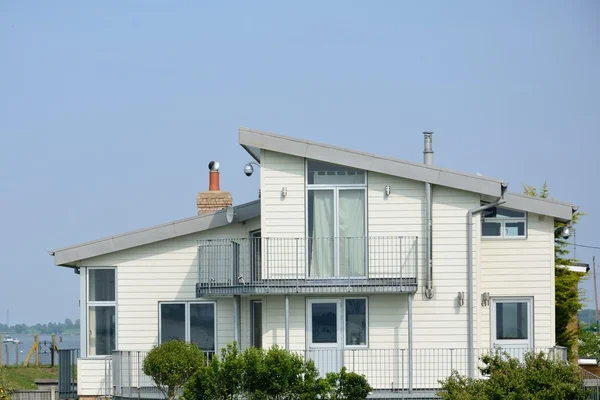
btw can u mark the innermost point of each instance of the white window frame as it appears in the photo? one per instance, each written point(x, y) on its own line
point(358, 346)
point(253, 321)
point(527, 343)
point(89, 303)
point(502, 221)
point(336, 189)
point(187, 319)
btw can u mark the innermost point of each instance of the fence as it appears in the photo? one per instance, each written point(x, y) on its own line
point(385, 369)
point(591, 383)
point(307, 265)
point(67, 373)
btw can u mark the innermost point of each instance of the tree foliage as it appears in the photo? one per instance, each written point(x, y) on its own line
point(538, 377)
point(566, 282)
point(172, 364)
point(6, 389)
point(348, 386)
point(589, 342)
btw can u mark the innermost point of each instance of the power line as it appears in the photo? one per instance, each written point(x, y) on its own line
point(583, 245)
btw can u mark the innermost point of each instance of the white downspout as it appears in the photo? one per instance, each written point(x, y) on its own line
point(428, 160)
point(470, 213)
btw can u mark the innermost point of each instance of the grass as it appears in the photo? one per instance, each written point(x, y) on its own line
point(24, 377)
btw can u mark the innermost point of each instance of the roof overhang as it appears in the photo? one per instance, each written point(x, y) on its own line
point(253, 141)
point(68, 256)
point(582, 268)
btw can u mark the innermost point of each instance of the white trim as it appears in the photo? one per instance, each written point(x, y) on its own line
point(510, 343)
point(83, 311)
point(359, 346)
point(90, 304)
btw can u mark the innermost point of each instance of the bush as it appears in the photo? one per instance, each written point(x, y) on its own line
point(537, 377)
point(5, 389)
point(348, 386)
point(172, 364)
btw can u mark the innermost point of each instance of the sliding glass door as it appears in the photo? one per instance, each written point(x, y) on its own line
point(336, 223)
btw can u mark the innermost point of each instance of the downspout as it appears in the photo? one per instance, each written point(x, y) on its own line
point(470, 213)
point(428, 160)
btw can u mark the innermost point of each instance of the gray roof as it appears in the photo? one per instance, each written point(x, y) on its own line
point(254, 140)
point(68, 255)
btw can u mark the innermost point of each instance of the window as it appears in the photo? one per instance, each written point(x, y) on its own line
point(504, 223)
point(192, 322)
point(336, 220)
point(512, 322)
point(256, 324)
point(102, 303)
point(356, 322)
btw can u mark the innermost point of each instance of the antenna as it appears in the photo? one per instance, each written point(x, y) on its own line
point(230, 214)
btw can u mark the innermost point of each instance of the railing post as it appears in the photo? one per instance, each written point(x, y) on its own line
point(410, 344)
point(297, 266)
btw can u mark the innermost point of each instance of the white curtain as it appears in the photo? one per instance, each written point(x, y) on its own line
point(352, 232)
point(322, 239)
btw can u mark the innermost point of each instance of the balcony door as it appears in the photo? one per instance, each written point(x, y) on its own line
point(336, 221)
point(512, 324)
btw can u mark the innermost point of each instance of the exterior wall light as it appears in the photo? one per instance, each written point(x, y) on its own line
point(283, 191)
point(485, 299)
point(388, 190)
point(461, 298)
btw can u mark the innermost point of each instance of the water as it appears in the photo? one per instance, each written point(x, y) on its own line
point(68, 342)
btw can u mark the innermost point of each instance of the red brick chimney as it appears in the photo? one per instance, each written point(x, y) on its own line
point(214, 199)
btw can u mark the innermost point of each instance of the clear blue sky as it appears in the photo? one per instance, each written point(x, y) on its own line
point(111, 110)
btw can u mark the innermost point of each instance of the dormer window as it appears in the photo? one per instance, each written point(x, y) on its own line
point(500, 222)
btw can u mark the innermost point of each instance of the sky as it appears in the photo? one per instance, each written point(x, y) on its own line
point(110, 111)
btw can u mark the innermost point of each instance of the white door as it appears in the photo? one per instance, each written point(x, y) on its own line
point(324, 334)
point(512, 325)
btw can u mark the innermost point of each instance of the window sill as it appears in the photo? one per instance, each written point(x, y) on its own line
point(493, 238)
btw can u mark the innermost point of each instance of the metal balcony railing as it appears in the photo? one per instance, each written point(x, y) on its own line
point(387, 370)
point(308, 265)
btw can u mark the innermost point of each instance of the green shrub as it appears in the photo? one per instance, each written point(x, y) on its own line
point(348, 386)
point(172, 364)
point(538, 377)
point(5, 388)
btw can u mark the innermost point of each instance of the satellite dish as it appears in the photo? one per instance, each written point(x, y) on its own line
point(230, 213)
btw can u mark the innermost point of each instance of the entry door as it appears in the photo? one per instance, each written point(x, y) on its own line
point(324, 334)
point(512, 325)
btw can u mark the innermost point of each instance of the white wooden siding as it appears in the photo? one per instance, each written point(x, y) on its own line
point(163, 271)
point(522, 268)
point(91, 376)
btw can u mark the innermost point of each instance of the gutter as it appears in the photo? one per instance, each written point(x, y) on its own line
point(470, 213)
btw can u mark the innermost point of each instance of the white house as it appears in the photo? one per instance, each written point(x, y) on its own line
point(401, 271)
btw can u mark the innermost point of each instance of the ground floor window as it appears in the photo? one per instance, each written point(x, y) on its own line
point(512, 320)
point(190, 321)
point(336, 323)
point(256, 324)
point(101, 311)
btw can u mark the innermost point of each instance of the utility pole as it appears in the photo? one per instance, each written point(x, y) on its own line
point(595, 288)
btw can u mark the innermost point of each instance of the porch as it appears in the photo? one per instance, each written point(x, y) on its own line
point(257, 265)
point(393, 373)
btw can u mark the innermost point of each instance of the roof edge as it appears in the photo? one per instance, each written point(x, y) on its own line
point(65, 256)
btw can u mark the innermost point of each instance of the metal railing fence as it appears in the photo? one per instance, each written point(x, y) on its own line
point(307, 265)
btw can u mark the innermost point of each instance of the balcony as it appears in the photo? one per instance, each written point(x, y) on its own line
point(307, 265)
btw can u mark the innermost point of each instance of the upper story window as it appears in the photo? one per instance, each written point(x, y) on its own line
point(102, 302)
point(320, 173)
point(504, 223)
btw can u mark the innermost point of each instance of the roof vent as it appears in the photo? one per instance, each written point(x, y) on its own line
point(427, 149)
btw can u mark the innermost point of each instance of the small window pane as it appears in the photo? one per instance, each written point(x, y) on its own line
point(514, 229)
point(101, 285)
point(172, 322)
point(491, 229)
point(257, 324)
point(324, 323)
point(202, 325)
point(102, 330)
point(330, 174)
point(511, 321)
point(356, 322)
point(504, 213)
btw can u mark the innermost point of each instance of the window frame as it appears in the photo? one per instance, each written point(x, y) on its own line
point(89, 303)
point(530, 341)
point(502, 221)
point(253, 302)
point(335, 188)
point(345, 331)
point(187, 321)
